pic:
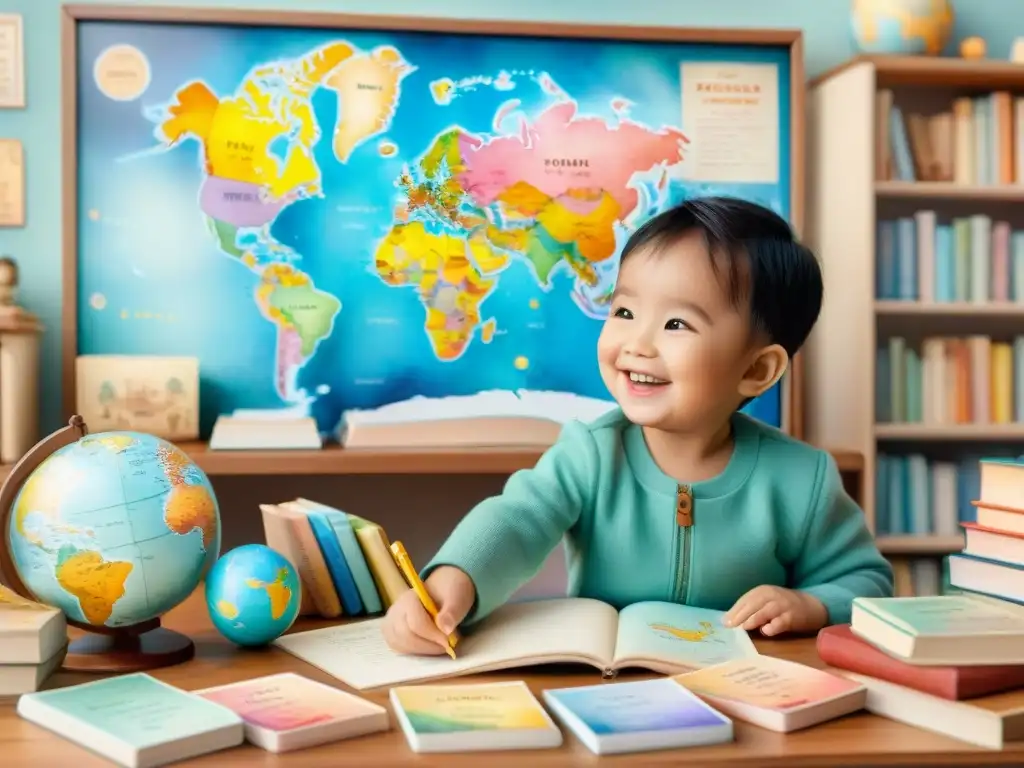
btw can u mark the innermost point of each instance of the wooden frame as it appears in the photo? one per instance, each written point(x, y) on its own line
point(792, 391)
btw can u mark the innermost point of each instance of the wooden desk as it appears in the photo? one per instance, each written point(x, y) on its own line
point(857, 740)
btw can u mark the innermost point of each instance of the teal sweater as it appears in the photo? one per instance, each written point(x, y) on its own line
point(777, 515)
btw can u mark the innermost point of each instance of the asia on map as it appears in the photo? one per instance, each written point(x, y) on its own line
point(342, 219)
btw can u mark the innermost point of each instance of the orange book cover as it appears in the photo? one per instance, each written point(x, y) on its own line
point(1002, 105)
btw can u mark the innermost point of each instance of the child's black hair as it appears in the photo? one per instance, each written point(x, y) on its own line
point(766, 267)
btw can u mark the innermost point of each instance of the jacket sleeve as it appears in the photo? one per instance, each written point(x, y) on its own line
point(839, 560)
point(503, 541)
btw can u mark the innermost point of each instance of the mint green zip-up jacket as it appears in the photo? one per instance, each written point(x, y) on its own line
point(777, 514)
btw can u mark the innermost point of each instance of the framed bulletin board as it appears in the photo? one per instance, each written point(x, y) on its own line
point(335, 211)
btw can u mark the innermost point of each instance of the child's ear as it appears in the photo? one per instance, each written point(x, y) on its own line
point(764, 371)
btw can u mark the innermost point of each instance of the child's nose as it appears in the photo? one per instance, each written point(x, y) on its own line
point(641, 345)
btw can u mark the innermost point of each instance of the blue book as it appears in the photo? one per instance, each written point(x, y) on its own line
point(1017, 267)
point(886, 269)
point(945, 264)
point(637, 716)
point(883, 386)
point(897, 504)
point(906, 255)
point(883, 526)
point(134, 719)
point(903, 160)
point(968, 488)
point(919, 487)
point(353, 554)
point(341, 576)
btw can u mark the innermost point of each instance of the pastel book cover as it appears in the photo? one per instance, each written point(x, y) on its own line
point(473, 717)
point(775, 693)
point(645, 715)
point(337, 566)
point(134, 720)
point(962, 629)
point(285, 712)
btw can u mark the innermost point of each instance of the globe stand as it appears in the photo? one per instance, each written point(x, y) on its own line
point(133, 649)
point(104, 649)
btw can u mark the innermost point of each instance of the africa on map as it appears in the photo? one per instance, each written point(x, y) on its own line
point(335, 220)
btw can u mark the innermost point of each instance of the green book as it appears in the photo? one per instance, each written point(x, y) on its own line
point(898, 384)
point(135, 720)
point(962, 262)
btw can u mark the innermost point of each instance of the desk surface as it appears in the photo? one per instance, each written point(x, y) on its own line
point(856, 740)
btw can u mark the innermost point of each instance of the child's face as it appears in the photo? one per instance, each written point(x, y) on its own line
point(674, 352)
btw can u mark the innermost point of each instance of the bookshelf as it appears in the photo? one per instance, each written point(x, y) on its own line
point(852, 193)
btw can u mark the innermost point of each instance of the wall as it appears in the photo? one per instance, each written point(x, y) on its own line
point(437, 502)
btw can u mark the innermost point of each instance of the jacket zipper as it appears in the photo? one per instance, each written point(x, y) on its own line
point(684, 521)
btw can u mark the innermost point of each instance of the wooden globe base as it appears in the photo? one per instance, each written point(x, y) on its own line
point(128, 651)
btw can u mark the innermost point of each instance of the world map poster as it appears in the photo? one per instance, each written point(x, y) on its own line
point(332, 219)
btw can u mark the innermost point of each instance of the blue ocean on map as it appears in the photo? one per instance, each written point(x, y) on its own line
point(338, 219)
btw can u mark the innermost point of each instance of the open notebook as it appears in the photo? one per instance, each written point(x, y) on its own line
point(662, 637)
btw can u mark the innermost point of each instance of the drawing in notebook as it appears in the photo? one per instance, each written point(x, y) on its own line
point(490, 418)
point(662, 637)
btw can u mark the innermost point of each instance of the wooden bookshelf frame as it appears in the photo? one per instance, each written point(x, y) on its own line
point(260, 462)
point(843, 196)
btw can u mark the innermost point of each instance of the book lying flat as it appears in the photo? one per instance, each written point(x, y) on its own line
point(990, 721)
point(30, 633)
point(773, 693)
point(839, 647)
point(473, 718)
point(661, 637)
point(492, 418)
point(966, 630)
point(640, 716)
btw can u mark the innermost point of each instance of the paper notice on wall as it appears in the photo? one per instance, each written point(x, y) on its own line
point(12, 62)
point(12, 183)
point(731, 117)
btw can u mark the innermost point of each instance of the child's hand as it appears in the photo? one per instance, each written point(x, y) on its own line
point(408, 627)
point(776, 610)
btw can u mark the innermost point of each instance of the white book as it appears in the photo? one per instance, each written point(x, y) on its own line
point(16, 679)
point(30, 633)
point(475, 717)
point(490, 418)
point(286, 712)
point(661, 637)
point(134, 720)
point(943, 497)
point(263, 433)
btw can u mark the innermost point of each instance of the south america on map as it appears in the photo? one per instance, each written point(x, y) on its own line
point(334, 221)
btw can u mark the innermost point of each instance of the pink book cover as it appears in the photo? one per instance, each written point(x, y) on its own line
point(1001, 261)
point(288, 702)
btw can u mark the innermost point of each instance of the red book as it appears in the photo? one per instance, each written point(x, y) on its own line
point(839, 647)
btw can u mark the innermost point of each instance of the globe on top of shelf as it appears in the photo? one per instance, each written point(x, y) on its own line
point(114, 529)
point(902, 27)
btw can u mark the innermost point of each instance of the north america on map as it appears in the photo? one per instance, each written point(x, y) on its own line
point(550, 189)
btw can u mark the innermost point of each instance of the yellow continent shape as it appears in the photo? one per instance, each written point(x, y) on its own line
point(191, 507)
point(95, 582)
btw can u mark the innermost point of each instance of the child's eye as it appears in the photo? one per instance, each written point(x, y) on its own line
point(675, 324)
point(623, 313)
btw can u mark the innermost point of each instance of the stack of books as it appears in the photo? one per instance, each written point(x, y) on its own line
point(33, 643)
point(921, 658)
point(344, 561)
point(967, 259)
point(977, 140)
point(992, 560)
point(950, 380)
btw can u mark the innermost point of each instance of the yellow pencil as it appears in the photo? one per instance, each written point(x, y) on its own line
point(405, 566)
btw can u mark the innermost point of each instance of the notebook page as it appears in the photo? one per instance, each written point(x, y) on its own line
point(669, 636)
point(559, 630)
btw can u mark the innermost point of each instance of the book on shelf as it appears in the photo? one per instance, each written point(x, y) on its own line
point(638, 716)
point(342, 560)
point(970, 259)
point(921, 575)
point(473, 718)
point(494, 418)
point(840, 648)
point(974, 140)
point(950, 380)
point(919, 496)
point(662, 637)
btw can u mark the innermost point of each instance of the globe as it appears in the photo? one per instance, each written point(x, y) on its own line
point(253, 595)
point(114, 528)
point(907, 27)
